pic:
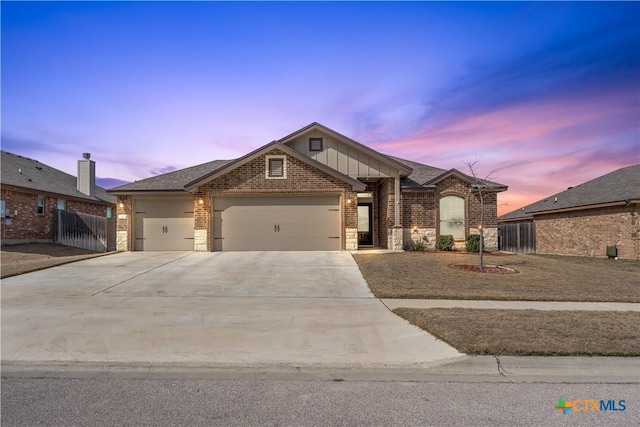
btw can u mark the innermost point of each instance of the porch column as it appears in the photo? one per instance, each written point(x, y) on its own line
point(396, 231)
point(396, 199)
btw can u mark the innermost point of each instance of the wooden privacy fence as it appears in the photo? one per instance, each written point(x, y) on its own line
point(82, 230)
point(518, 237)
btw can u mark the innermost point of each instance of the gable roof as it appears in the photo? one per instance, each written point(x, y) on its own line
point(192, 177)
point(33, 175)
point(357, 185)
point(619, 186)
point(413, 175)
point(424, 176)
point(405, 170)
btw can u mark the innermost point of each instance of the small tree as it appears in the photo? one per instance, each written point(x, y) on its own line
point(480, 185)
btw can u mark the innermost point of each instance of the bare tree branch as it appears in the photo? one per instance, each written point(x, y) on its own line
point(480, 185)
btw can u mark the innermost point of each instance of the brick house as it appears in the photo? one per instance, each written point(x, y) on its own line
point(586, 219)
point(314, 189)
point(31, 191)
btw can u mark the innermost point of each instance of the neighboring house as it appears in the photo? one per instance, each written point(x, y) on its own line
point(31, 192)
point(585, 219)
point(314, 189)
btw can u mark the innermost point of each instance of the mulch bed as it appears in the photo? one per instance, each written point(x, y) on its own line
point(487, 269)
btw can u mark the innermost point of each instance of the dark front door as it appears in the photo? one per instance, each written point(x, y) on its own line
point(365, 224)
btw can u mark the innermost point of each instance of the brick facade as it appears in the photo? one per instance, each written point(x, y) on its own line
point(589, 232)
point(124, 226)
point(27, 225)
point(250, 179)
point(420, 211)
point(386, 211)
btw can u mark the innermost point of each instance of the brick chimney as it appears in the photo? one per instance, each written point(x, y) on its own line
point(87, 175)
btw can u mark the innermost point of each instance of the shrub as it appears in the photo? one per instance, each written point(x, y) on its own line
point(444, 243)
point(473, 243)
point(418, 245)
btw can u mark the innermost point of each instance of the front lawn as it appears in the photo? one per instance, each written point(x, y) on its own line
point(531, 332)
point(28, 257)
point(539, 278)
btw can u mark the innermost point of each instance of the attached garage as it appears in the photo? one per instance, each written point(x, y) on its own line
point(277, 223)
point(163, 224)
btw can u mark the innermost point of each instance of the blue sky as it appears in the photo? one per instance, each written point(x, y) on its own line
point(546, 93)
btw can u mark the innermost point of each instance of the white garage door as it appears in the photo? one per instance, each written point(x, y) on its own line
point(163, 224)
point(276, 223)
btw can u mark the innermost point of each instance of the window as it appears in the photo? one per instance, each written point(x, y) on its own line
point(62, 204)
point(315, 144)
point(40, 205)
point(452, 216)
point(276, 167)
point(109, 211)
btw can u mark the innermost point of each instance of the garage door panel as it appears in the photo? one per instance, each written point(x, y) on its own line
point(277, 223)
point(164, 224)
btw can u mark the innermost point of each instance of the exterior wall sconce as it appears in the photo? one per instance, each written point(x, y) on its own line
point(200, 202)
point(121, 205)
point(415, 230)
point(348, 201)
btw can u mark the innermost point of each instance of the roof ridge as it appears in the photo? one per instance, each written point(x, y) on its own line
point(25, 157)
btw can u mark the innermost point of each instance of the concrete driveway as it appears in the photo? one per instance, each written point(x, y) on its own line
point(242, 309)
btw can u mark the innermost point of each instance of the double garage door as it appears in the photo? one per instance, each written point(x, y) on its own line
point(255, 223)
point(276, 223)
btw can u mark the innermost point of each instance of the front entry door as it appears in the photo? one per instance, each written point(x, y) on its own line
point(365, 224)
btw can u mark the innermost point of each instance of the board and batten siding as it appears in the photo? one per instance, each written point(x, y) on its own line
point(351, 161)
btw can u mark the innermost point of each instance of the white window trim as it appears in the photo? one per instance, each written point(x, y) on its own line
point(284, 166)
point(44, 204)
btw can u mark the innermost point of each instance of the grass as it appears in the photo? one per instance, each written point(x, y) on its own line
point(539, 278)
point(20, 259)
point(531, 332)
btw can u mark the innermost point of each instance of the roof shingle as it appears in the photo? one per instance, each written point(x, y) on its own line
point(27, 173)
point(617, 186)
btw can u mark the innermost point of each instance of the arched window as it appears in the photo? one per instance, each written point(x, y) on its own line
point(452, 216)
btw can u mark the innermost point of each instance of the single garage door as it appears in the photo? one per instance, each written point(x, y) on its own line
point(276, 223)
point(163, 224)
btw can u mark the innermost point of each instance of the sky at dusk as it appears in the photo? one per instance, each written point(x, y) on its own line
point(547, 94)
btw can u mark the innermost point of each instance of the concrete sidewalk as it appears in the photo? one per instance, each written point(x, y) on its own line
point(510, 305)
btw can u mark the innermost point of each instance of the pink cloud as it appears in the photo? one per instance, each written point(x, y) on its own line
point(538, 148)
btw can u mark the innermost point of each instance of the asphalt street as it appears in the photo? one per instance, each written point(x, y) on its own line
point(127, 402)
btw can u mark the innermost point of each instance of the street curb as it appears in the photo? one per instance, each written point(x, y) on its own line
point(512, 369)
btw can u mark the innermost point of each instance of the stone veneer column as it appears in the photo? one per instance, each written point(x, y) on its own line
point(123, 224)
point(200, 240)
point(490, 237)
point(428, 235)
point(351, 243)
point(395, 238)
point(122, 240)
